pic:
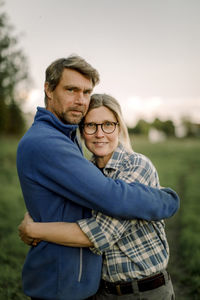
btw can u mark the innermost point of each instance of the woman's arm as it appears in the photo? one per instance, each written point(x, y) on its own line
point(63, 233)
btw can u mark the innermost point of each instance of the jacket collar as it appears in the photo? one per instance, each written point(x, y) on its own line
point(44, 115)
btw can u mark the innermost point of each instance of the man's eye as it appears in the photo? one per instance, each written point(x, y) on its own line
point(70, 90)
point(87, 92)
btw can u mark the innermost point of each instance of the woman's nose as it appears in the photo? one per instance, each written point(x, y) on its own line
point(99, 132)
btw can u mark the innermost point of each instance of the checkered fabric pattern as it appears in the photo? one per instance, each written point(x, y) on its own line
point(131, 249)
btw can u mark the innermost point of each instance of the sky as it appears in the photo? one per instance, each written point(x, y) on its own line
point(146, 51)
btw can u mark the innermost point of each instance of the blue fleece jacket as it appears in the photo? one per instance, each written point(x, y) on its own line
point(59, 184)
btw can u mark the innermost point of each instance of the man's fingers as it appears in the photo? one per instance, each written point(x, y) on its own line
point(36, 242)
point(25, 239)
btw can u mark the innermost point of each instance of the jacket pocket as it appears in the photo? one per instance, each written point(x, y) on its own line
point(80, 265)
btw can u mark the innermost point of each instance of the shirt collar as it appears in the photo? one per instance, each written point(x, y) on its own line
point(114, 161)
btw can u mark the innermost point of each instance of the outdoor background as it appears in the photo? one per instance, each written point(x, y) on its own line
point(147, 53)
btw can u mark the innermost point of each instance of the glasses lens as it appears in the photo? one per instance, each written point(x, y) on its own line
point(108, 127)
point(90, 128)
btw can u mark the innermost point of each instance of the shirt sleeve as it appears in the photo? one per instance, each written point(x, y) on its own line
point(104, 231)
point(143, 172)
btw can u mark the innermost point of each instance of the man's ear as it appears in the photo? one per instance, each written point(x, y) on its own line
point(48, 92)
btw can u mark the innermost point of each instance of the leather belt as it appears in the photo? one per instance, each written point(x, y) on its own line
point(146, 284)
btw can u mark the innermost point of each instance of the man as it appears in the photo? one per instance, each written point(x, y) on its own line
point(58, 184)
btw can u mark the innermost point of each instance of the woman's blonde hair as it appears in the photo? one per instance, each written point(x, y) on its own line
point(98, 100)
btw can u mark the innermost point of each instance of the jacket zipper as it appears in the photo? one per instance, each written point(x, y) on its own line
point(81, 265)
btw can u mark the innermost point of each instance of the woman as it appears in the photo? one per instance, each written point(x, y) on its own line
point(135, 253)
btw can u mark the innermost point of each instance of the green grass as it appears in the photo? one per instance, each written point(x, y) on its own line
point(178, 165)
point(12, 250)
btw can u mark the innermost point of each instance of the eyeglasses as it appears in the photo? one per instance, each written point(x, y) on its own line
point(107, 127)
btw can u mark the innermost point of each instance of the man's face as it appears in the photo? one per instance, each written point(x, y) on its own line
point(70, 100)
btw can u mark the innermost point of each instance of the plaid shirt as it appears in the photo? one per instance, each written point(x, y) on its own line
point(131, 249)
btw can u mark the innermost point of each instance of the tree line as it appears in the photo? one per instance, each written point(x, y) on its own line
point(13, 79)
point(167, 127)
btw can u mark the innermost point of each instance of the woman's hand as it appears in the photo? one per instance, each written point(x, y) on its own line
point(24, 231)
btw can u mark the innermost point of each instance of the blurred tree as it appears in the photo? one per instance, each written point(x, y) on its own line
point(142, 127)
point(158, 124)
point(16, 122)
point(191, 129)
point(165, 126)
point(3, 114)
point(13, 74)
point(169, 128)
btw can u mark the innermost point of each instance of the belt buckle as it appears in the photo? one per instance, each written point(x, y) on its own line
point(118, 289)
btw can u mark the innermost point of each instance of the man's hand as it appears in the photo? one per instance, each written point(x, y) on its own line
point(24, 231)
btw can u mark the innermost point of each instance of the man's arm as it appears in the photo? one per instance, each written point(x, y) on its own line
point(62, 168)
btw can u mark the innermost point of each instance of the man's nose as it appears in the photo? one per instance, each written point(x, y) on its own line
point(80, 99)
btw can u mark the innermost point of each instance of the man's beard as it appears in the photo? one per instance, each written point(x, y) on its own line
point(66, 118)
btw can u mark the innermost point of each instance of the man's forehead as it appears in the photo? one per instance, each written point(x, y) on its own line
point(73, 77)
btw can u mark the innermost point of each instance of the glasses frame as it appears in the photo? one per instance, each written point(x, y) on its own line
point(100, 124)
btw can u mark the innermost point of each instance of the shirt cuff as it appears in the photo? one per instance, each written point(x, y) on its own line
point(93, 231)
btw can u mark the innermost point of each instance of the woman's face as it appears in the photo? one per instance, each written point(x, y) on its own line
point(101, 144)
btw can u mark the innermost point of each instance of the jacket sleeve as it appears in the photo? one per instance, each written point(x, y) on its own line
point(60, 167)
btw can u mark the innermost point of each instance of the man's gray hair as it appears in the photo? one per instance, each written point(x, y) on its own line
point(73, 62)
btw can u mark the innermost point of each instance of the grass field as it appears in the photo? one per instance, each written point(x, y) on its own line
point(178, 165)
point(12, 251)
